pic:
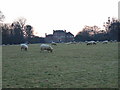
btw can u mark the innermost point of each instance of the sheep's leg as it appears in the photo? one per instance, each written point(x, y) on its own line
point(25, 49)
point(41, 50)
point(21, 48)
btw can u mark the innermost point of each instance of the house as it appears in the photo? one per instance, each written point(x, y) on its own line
point(49, 38)
point(59, 36)
point(69, 37)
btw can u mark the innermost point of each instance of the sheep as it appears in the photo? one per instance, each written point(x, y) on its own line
point(115, 41)
point(91, 43)
point(74, 42)
point(46, 47)
point(24, 47)
point(94, 43)
point(111, 41)
point(53, 43)
point(86, 41)
point(105, 42)
point(68, 43)
point(97, 41)
point(79, 42)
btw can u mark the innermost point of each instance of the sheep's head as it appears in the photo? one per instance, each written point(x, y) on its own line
point(51, 50)
point(25, 49)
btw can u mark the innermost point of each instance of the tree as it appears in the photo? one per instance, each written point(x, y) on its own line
point(17, 31)
point(114, 31)
point(113, 28)
point(88, 33)
point(1, 20)
point(5, 33)
point(36, 39)
point(2, 17)
point(111, 32)
point(28, 32)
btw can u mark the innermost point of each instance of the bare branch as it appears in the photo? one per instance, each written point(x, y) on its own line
point(2, 17)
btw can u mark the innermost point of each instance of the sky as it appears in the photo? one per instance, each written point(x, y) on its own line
point(70, 15)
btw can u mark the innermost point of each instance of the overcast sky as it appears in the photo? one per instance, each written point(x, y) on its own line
point(48, 15)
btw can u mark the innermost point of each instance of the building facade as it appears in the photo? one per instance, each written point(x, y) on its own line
point(59, 36)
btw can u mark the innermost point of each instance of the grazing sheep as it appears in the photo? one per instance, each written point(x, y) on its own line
point(3, 45)
point(54, 44)
point(46, 47)
point(94, 43)
point(79, 42)
point(111, 41)
point(105, 42)
point(86, 41)
point(97, 41)
point(24, 47)
point(74, 42)
point(115, 41)
point(71, 43)
point(91, 43)
point(68, 43)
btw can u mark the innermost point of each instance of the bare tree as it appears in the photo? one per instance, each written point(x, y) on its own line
point(28, 32)
point(2, 17)
point(1, 20)
point(21, 21)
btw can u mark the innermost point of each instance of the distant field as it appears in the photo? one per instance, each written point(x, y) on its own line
point(69, 66)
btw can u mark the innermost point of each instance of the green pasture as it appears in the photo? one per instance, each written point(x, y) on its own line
point(69, 66)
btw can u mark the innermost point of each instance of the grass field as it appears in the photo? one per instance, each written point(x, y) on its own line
point(69, 66)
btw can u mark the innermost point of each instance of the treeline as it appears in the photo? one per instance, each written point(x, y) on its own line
point(111, 32)
point(17, 32)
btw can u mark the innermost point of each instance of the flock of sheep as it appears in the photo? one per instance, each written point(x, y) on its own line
point(95, 42)
point(49, 48)
point(42, 47)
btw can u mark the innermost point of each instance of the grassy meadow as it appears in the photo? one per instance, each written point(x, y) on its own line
point(69, 66)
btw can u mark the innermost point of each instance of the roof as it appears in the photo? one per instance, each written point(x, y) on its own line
point(69, 33)
point(49, 35)
point(58, 31)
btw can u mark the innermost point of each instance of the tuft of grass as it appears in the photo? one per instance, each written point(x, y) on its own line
point(69, 66)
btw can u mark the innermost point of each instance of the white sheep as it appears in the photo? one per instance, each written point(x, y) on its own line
point(68, 43)
point(74, 42)
point(91, 43)
point(115, 41)
point(46, 47)
point(24, 47)
point(97, 41)
point(105, 42)
point(53, 43)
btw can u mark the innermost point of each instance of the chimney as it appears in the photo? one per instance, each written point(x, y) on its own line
point(45, 34)
point(109, 19)
point(65, 31)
